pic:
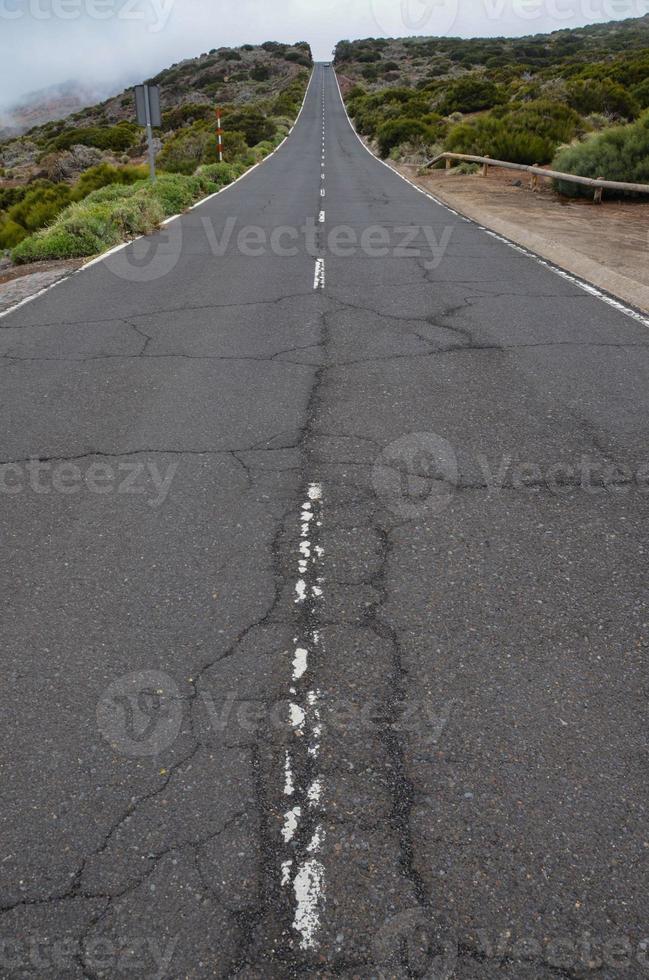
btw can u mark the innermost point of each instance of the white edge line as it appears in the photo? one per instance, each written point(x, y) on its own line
point(204, 200)
point(588, 287)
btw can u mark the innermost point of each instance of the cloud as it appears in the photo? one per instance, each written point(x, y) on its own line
point(111, 43)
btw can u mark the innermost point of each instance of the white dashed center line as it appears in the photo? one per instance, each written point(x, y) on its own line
point(319, 278)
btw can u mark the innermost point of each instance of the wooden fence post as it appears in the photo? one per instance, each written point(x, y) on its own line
point(449, 164)
point(485, 167)
point(597, 196)
point(534, 183)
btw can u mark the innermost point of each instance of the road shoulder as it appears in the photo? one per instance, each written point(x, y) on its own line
point(607, 246)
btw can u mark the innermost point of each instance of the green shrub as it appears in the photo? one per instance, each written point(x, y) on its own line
point(82, 229)
point(37, 207)
point(111, 215)
point(187, 149)
point(40, 203)
point(641, 94)
point(471, 94)
point(117, 138)
point(495, 138)
point(10, 196)
point(618, 153)
point(11, 233)
point(264, 148)
point(254, 125)
point(603, 96)
point(553, 121)
point(235, 147)
point(398, 131)
point(290, 98)
point(174, 192)
point(183, 115)
point(219, 174)
point(105, 174)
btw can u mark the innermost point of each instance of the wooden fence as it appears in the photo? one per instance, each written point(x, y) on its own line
point(598, 184)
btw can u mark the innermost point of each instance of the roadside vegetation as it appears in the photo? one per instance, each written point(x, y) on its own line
point(575, 99)
point(78, 186)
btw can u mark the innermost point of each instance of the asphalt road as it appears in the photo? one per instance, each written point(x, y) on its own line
point(324, 630)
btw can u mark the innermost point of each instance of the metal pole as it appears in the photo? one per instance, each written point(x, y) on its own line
point(149, 133)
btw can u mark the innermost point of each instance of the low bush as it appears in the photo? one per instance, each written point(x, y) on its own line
point(105, 174)
point(116, 213)
point(109, 216)
point(183, 115)
point(641, 93)
point(289, 100)
point(471, 94)
point(618, 153)
point(117, 138)
point(36, 207)
point(495, 138)
point(603, 96)
point(220, 174)
point(254, 125)
point(38, 204)
point(398, 131)
point(188, 149)
point(553, 121)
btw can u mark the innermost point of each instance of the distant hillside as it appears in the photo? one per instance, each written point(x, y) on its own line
point(189, 91)
point(421, 60)
point(78, 185)
point(517, 99)
point(44, 105)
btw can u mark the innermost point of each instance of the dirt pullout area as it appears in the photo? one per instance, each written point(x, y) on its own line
point(607, 244)
point(18, 282)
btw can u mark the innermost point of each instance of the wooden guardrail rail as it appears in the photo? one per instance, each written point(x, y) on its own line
point(598, 184)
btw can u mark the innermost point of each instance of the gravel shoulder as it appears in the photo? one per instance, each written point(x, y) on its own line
point(18, 283)
point(606, 245)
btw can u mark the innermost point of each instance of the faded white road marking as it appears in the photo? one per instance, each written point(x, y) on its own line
point(289, 784)
point(309, 888)
point(291, 818)
point(318, 283)
point(321, 217)
point(302, 830)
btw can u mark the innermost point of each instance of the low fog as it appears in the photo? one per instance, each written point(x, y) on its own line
point(107, 44)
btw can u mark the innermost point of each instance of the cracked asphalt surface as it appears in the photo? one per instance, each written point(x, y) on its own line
point(478, 426)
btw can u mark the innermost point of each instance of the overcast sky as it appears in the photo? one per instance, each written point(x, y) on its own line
point(111, 43)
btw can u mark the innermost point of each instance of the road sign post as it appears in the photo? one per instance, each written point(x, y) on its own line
point(147, 108)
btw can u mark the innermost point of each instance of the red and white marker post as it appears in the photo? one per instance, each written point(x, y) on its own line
point(219, 134)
